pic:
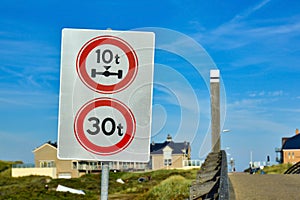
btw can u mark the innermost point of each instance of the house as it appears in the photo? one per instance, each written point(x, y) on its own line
point(290, 150)
point(46, 163)
point(45, 156)
point(166, 155)
point(169, 154)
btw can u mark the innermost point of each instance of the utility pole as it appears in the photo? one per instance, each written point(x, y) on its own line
point(215, 109)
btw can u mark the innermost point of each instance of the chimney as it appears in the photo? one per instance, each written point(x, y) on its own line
point(297, 131)
point(169, 138)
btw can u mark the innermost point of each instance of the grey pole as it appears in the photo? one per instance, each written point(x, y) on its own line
point(215, 109)
point(104, 180)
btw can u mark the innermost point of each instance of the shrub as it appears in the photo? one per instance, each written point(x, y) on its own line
point(174, 187)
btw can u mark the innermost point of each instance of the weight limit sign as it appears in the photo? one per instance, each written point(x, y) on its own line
point(104, 126)
point(107, 64)
point(102, 73)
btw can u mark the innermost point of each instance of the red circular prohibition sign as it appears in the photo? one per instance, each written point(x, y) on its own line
point(110, 40)
point(107, 150)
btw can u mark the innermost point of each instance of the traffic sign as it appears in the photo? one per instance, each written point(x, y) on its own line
point(105, 95)
point(115, 126)
point(104, 54)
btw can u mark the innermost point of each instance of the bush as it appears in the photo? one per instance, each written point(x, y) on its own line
point(4, 165)
point(175, 187)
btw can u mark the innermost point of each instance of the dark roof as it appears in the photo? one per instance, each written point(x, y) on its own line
point(157, 148)
point(292, 143)
point(54, 144)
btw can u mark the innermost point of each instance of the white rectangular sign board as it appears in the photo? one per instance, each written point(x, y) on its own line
point(106, 84)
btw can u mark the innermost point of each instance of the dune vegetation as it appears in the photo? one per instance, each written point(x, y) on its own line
point(160, 184)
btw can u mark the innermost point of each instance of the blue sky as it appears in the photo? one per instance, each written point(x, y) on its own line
point(255, 45)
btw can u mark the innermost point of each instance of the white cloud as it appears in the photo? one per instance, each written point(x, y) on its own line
point(268, 40)
point(246, 103)
point(252, 95)
point(190, 119)
point(276, 93)
point(17, 97)
point(249, 11)
point(254, 116)
point(239, 34)
point(262, 93)
point(254, 120)
point(180, 95)
point(28, 64)
point(290, 110)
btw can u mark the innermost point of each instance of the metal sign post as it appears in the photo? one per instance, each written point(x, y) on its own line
point(104, 181)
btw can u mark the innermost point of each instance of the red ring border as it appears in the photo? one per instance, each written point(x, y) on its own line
point(112, 40)
point(109, 150)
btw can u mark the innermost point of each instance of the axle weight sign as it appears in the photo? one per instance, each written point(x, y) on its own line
point(105, 95)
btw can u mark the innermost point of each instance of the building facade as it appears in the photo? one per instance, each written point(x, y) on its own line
point(166, 155)
point(169, 154)
point(45, 156)
point(290, 149)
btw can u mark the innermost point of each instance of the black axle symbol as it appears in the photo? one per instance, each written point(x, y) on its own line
point(107, 73)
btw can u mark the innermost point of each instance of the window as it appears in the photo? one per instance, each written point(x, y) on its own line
point(293, 156)
point(47, 163)
point(140, 165)
point(167, 156)
point(74, 165)
point(125, 165)
point(167, 162)
point(50, 164)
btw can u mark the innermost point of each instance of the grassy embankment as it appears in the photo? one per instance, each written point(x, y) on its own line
point(161, 184)
point(276, 169)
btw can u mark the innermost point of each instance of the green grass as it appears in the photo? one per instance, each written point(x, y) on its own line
point(277, 169)
point(161, 184)
point(174, 187)
point(153, 179)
